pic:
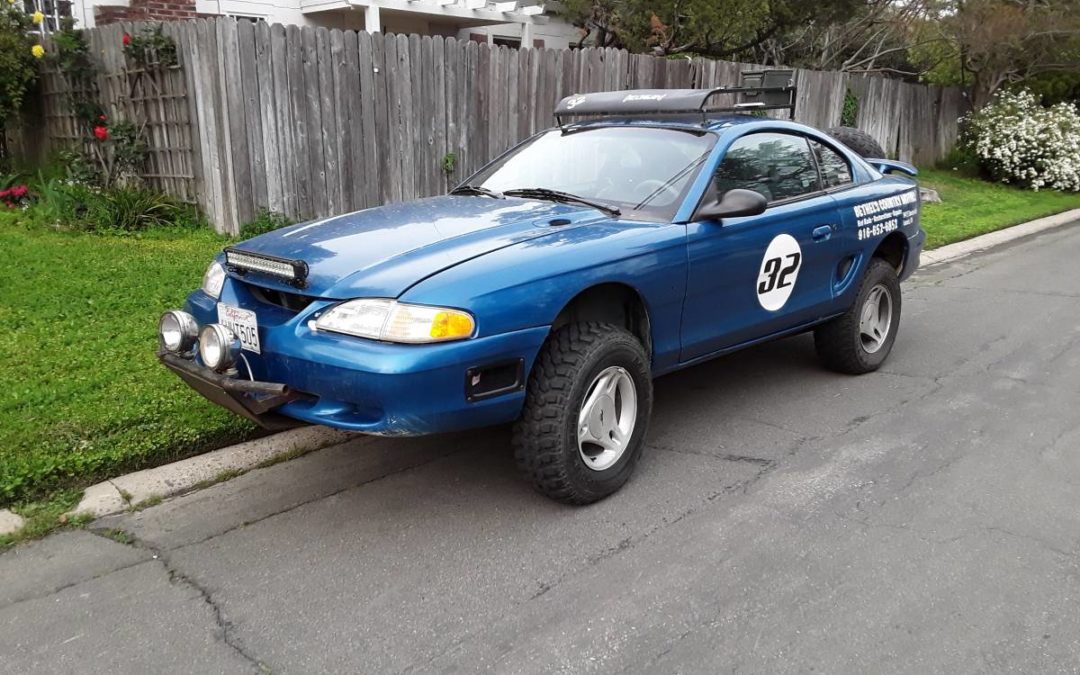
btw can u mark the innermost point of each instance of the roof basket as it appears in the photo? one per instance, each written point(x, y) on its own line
point(758, 90)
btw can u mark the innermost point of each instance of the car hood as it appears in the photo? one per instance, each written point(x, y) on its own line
point(381, 252)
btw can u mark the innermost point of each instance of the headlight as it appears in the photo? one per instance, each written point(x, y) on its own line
point(218, 347)
point(178, 331)
point(213, 280)
point(393, 321)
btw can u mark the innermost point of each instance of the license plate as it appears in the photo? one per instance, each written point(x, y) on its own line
point(242, 323)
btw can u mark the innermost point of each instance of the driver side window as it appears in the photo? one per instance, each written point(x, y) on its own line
point(779, 166)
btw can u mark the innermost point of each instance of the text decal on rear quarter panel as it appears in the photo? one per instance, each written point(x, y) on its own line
point(779, 270)
point(885, 215)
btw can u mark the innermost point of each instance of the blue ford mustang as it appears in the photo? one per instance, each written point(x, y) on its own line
point(552, 286)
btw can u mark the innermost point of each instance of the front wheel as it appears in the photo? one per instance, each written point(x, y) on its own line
point(586, 413)
point(859, 340)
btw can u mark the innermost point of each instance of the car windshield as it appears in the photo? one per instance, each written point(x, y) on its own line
point(640, 170)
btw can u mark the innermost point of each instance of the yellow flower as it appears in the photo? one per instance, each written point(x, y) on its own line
point(38, 17)
point(38, 51)
point(11, 2)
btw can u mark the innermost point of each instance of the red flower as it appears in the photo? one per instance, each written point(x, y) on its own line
point(19, 191)
point(126, 39)
point(101, 133)
point(102, 118)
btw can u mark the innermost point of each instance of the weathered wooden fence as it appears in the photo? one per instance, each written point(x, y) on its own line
point(312, 122)
point(154, 97)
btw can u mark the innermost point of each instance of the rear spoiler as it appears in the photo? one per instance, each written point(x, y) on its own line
point(891, 165)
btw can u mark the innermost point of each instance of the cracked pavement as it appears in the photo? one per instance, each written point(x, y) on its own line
point(784, 519)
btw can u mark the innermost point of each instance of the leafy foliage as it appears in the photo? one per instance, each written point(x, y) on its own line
point(1016, 140)
point(17, 69)
point(980, 44)
point(133, 210)
point(849, 114)
point(72, 55)
point(151, 48)
point(989, 44)
point(705, 27)
point(266, 221)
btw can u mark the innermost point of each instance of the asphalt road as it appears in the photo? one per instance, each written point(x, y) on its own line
point(923, 519)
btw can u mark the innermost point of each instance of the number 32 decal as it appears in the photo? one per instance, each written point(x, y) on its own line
point(779, 270)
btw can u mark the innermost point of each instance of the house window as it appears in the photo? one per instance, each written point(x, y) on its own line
point(54, 10)
point(511, 42)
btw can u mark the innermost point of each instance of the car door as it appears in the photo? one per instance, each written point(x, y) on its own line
point(755, 276)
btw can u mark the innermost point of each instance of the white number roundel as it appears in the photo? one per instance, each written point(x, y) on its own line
point(779, 270)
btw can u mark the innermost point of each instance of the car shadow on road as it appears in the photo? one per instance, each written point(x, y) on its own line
point(693, 412)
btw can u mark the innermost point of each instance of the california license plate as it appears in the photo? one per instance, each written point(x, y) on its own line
point(242, 323)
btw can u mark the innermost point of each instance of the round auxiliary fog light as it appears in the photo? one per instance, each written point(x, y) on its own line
point(218, 347)
point(178, 331)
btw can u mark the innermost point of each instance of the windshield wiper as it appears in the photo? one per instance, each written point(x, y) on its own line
point(559, 196)
point(476, 190)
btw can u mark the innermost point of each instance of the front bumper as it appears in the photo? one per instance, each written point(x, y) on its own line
point(363, 385)
point(247, 398)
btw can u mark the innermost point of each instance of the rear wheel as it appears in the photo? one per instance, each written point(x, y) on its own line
point(860, 340)
point(586, 413)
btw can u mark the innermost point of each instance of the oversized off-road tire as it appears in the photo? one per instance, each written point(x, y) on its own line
point(859, 340)
point(586, 413)
point(861, 142)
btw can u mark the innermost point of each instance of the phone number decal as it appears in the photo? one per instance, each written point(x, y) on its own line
point(885, 215)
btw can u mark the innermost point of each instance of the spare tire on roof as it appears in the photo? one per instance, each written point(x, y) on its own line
point(861, 142)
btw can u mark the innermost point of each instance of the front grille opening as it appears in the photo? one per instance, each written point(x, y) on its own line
point(294, 302)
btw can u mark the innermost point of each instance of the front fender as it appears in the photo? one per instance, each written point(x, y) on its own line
point(528, 285)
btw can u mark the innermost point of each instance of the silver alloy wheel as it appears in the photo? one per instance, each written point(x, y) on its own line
point(607, 417)
point(875, 320)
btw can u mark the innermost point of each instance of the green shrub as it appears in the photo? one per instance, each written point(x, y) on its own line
point(849, 115)
point(124, 209)
point(60, 202)
point(266, 221)
point(8, 180)
point(962, 160)
point(1019, 141)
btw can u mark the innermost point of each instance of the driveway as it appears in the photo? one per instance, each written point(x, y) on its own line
point(923, 519)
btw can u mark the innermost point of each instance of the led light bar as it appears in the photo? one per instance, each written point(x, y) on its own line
point(293, 271)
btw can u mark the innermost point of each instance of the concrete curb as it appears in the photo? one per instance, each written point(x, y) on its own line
point(10, 522)
point(118, 494)
point(981, 243)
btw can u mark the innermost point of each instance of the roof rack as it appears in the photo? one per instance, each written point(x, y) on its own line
point(758, 90)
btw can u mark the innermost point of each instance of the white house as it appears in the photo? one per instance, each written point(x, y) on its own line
point(514, 23)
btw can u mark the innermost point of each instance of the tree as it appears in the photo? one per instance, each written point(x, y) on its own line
point(715, 28)
point(874, 36)
point(987, 44)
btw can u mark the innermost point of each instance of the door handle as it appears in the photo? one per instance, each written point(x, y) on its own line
point(822, 232)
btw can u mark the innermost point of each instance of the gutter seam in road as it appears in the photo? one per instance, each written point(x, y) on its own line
point(301, 504)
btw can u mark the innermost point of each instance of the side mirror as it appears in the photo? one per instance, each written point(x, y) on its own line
point(734, 203)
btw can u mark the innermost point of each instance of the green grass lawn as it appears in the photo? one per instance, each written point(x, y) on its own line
point(971, 207)
point(84, 397)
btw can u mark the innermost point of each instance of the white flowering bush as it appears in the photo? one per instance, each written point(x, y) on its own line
point(1017, 140)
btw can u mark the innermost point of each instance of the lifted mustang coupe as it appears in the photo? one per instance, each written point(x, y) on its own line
point(646, 234)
